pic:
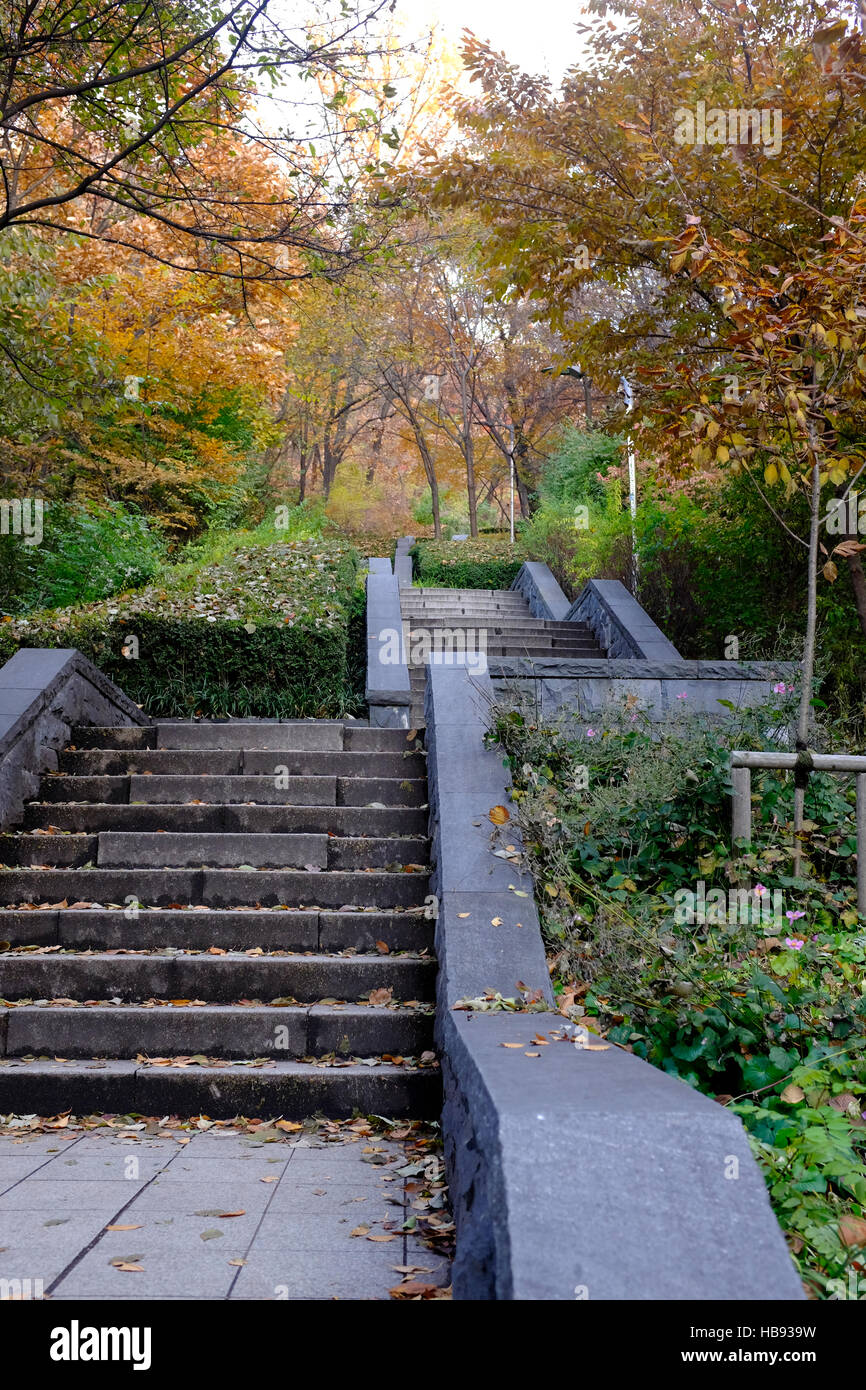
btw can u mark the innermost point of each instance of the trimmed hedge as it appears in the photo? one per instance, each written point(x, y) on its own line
point(484, 563)
point(270, 632)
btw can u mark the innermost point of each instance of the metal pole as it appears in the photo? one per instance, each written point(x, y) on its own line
point(741, 781)
point(628, 393)
point(511, 470)
point(861, 843)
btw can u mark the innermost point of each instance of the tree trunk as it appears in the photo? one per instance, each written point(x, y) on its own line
point(855, 566)
point(469, 455)
point(801, 774)
point(430, 470)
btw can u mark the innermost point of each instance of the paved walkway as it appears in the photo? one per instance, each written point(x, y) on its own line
point(104, 1215)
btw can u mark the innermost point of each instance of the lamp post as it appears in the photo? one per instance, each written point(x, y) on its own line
point(511, 478)
point(628, 393)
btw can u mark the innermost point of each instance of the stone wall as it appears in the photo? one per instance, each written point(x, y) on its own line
point(618, 623)
point(44, 692)
point(541, 591)
point(573, 1173)
point(388, 691)
point(584, 688)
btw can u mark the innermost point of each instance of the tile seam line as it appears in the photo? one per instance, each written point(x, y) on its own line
point(91, 1245)
point(247, 1252)
point(6, 1190)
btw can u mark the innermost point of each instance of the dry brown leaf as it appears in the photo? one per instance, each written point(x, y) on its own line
point(499, 814)
point(852, 1230)
point(123, 1228)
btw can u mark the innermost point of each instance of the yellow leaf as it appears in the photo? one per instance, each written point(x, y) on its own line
point(499, 815)
point(830, 571)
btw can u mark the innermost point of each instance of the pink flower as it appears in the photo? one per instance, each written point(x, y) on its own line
point(779, 689)
point(683, 695)
point(790, 689)
point(794, 943)
point(590, 733)
point(792, 916)
point(759, 889)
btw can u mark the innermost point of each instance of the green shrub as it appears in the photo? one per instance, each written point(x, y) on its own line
point(765, 1012)
point(571, 473)
point(88, 552)
point(485, 563)
point(264, 632)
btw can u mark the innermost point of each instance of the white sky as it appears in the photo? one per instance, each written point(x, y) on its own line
point(539, 35)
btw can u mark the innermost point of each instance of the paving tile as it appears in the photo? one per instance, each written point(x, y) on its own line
point(53, 1196)
point(12, 1169)
point(204, 1272)
point(248, 1169)
point(31, 1249)
point(272, 1273)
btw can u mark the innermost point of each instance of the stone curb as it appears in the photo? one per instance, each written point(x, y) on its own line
point(573, 1173)
point(44, 692)
point(388, 691)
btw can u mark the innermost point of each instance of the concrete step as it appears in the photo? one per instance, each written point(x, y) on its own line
point(156, 789)
point(320, 736)
point(460, 593)
point(213, 887)
point(200, 928)
point(215, 1030)
point(167, 849)
point(255, 883)
point(548, 651)
point(375, 821)
point(504, 625)
point(293, 1090)
point(101, 762)
point(217, 979)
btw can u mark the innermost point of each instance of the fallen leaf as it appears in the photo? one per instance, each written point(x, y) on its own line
point(511, 1044)
point(123, 1228)
point(499, 814)
point(383, 1237)
point(532, 1054)
point(852, 1230)
point(130, 1269)
point(792, 1094)
point(360, 1231)
point(289, 1126)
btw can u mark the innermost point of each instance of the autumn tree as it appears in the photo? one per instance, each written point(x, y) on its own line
point(705, 163)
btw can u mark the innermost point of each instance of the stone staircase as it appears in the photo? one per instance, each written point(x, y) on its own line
point(221, 918)
point(504, 618)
